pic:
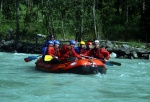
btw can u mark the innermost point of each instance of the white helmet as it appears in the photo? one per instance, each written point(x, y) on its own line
point(96, 42)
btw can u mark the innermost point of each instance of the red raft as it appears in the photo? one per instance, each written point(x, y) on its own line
point(80, 66)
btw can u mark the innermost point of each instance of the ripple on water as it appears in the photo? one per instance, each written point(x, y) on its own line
point(20, 82)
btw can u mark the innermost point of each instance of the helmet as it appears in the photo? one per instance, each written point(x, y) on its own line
point(89, 43)
point(96, 42)
point(56, 42)
point(82, 42)
point(72, 42)
point(50, 42)
point(52, 36)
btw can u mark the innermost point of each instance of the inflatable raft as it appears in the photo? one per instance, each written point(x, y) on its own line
point(80, 66)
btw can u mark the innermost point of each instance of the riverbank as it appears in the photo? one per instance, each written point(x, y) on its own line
point(117, 49)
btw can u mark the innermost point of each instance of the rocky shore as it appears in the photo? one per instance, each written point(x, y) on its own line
point(117, 49)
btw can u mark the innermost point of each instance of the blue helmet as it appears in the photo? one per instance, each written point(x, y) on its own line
point(56, 42)
point(50, 42)
point(72, 42)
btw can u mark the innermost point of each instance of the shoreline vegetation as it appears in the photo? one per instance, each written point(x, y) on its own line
point(24, 24)
point(120, 20)
point(118, 49)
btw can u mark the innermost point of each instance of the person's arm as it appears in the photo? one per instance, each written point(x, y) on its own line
point(64, 56)
point(105, 53)
point(75, 54)
point(87, 53)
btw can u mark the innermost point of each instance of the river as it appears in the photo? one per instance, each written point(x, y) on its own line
point(20, 82)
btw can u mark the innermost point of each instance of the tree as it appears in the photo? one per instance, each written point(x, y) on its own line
point(17, 20)
point(82, 19)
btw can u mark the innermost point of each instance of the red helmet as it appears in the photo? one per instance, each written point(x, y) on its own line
point(89, 43)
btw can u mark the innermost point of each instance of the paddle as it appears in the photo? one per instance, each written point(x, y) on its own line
point(110, 63)
point(114, 63)
point(30, 58)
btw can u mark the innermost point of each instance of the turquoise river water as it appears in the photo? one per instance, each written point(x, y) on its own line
point(20, 82)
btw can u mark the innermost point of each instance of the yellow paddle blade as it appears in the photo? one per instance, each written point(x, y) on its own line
point(48, 58)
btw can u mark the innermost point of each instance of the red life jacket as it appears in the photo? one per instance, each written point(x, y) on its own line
point(99, 53)
point(50, 51)
point(87, 52)
point(57, 52)
point(64, 49)
point(70, 53)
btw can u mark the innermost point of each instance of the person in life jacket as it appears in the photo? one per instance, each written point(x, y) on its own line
point(45, 44)
point(89, 47)
point(100, 53)
point(81, 49)
point(49, 55)
point(57, 54)
point(70, 53)
point(63, 49)
point(57, 50)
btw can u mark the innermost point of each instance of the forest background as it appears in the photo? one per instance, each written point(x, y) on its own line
point(117, 20)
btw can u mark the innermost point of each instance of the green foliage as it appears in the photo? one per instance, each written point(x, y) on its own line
point(114, 19)
point(6, 29)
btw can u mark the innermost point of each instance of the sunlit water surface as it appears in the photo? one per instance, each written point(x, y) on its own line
point(20, 82)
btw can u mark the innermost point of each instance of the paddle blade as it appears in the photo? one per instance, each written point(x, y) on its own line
point(115, 63)
point(108, 63)
point(30, 58)
point(26, 60)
